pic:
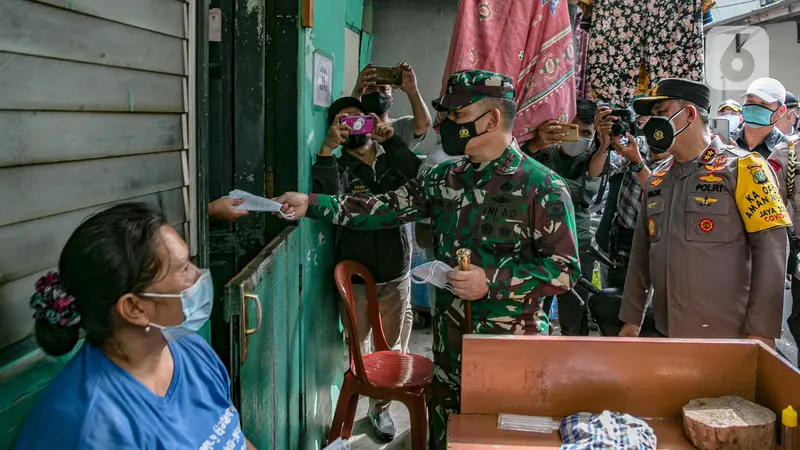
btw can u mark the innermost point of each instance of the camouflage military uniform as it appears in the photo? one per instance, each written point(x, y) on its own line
point(513, 213)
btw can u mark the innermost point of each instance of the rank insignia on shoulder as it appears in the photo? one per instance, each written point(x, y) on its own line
point(710, 178)
point(708, 155)
point(706, 225)
point(651, 227)
point(705, 202)
point(656, 181)
point(757, 171)
point(714, 168)
point(660, 173)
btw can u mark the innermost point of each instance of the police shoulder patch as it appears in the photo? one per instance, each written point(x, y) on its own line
point(760, 205)
point(736, 151)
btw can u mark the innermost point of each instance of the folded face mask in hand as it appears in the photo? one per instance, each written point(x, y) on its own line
point(434, 272)
point(256, 203)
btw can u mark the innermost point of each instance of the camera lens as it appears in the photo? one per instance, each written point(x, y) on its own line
point(620, 128)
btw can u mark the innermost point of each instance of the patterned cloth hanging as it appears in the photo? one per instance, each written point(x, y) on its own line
point(528, 40)
point(636, 43)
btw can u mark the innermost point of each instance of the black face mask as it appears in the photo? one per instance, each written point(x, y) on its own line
point(355, 141)
point(377, 102)
point(660, 132)
point(456, 136)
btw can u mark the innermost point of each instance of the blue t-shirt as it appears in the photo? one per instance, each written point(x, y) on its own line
point(95, 404)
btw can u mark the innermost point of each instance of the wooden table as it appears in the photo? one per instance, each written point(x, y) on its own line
point(479, 432)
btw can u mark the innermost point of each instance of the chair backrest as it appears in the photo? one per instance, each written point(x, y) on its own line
point(343, 274)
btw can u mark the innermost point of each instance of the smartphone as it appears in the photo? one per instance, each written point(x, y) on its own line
point(389, 75)
point(571, 132)
point(360, 124)
point(722, 129)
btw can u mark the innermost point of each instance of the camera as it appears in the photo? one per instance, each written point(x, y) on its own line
point(626, 123)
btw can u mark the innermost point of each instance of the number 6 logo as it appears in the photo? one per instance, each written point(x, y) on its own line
point(735, 56)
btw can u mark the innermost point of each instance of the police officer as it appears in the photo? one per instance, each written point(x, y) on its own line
point(710, 238)
point(785, 161)
point(514, 215)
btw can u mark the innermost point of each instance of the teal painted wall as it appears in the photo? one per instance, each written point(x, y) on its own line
point(323, 341)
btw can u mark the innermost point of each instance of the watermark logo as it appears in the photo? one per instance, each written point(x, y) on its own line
point(735, 56)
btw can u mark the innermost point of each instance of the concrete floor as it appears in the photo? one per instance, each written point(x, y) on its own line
point(421, 341)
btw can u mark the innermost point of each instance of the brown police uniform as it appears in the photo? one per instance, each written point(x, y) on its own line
point(711, 240)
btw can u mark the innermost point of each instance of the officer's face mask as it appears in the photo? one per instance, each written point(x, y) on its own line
point(573, 149)
point(196, 303)
point(660, 132)
point(456, 136)
point(434, 272)
point(757, 116)
point(377, 102)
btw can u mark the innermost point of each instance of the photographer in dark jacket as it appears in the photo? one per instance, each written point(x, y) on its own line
point(373, 163)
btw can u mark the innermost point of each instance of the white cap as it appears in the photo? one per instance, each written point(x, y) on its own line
point(768, 89)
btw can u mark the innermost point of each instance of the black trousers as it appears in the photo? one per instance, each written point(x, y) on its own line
point(794, 318)
point(572, 317)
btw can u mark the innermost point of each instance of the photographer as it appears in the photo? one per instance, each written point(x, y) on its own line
point(569, 160)
point(628, 171)
point(373, 163)
point(379, 99)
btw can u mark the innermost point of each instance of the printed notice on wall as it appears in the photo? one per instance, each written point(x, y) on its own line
point(214, 25)
point(323, 80)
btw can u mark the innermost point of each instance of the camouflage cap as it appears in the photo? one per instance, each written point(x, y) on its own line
point(467, 87)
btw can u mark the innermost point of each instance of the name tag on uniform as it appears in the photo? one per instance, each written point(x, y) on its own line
point(445, 204)
point(358, 189)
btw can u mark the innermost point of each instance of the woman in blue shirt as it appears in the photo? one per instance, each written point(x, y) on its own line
point(143, 379)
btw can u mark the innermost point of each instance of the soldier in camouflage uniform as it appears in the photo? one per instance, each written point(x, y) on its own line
point(514, 214)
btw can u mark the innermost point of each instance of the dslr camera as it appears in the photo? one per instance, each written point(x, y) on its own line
point(626, 123)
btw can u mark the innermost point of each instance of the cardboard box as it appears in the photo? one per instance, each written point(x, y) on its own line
point(648, 378)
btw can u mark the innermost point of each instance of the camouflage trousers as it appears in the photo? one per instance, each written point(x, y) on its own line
point(449, 323)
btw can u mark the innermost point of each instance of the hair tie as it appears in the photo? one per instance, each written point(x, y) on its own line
point(52, 303)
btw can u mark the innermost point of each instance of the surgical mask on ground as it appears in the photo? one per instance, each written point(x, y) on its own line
point(733, 122)
point(456, 136)
point(660, 132)
point(576, 148)
point(196, 303)
point(434, 272)
point(757, 116)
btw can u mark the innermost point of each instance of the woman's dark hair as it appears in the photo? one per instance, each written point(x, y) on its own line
point(112, 253)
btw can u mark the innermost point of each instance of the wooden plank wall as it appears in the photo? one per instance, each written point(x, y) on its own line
point(92, 107)
point(94, 99)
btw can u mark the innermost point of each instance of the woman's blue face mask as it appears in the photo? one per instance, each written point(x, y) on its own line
point(757, 116)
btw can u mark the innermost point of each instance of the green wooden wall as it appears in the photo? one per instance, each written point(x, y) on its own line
point(323, 342)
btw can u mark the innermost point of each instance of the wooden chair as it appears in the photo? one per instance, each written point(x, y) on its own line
point(384, 374)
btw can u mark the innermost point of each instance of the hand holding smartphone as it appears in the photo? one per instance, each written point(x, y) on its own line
point(359, 124)
point(392, 76)
point(722, 129)
point(570, 132)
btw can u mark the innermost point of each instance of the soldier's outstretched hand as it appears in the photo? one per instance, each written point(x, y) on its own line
point(469, 284)
point(295, 205)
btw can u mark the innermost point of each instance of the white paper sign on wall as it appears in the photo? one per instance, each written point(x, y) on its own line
point(214, 25)
point(323, 80)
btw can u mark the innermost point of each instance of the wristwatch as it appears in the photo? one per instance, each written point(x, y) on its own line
point(637, 167)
